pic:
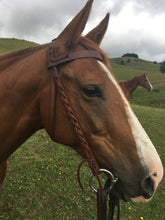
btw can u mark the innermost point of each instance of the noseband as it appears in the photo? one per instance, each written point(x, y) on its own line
point(53, 63)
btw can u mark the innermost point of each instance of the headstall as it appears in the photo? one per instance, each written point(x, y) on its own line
point(53, 63)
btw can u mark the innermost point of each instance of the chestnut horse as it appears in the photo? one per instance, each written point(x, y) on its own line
point(114, 134)
point(129, 86)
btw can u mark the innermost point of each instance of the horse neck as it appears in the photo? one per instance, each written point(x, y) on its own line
point(22, 82)
point(28, 90)
point(132, 84)
point(10, 58)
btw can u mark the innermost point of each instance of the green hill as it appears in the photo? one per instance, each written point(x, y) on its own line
point(154, 98)
point(133, 67)
point(124, 68)
point(41, 174)
point(10, 44)
point(41, 177)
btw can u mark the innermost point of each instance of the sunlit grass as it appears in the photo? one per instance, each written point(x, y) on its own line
point(41, 181)
point(10, 44)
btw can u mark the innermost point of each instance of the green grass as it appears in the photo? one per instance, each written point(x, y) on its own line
point(11, 44)
point(41, 181)
point(154, 98)
point(133, 67)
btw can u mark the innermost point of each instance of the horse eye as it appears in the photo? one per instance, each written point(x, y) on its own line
point(92, 91)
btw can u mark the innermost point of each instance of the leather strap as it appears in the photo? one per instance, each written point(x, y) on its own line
point(55, 61)
point(56, 84)
point(52, 106)
point(102, 204)
point(113, 202)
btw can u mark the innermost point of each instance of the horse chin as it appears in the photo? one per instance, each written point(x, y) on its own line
point(140, 199)
point(120, 193)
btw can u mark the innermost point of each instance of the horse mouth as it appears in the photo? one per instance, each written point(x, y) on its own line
point(120, 192)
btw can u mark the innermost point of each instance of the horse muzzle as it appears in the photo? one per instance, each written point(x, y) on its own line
point(143, 192)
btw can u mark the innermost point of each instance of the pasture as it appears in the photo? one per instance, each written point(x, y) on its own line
point(11, 44)
point(41, 181)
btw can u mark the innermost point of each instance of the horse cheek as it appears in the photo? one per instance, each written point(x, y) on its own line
point(3, 169)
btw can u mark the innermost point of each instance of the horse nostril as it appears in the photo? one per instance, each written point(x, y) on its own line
point(148, 187)
point(155, 174)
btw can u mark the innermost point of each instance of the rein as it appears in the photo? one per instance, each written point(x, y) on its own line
point(53, 63)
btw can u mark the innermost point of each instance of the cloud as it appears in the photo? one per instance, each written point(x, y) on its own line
point(147, 47)
point(135, 25)
point(137, 32)
point(29, 18)
point(153, 7)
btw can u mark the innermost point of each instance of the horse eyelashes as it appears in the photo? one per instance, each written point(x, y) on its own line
point(92, 91)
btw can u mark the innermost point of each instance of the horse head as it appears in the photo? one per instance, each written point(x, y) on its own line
point(144, 82)
point(114, 134)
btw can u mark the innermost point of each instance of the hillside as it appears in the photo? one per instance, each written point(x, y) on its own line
point(154, 98)
point(10, 44)
point(38, 170)
point(132, 67)
point(41, 179)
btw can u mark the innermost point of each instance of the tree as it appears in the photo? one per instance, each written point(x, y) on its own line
point(130, 55)
point(162, 67)
point(122, 62)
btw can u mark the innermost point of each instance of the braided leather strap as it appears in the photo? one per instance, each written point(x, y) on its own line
point(52, 65)
point(88, 154)
point(53, 62)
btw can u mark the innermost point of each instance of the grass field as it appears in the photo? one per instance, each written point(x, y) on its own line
point(10, 44)
point(41, 180)
point(154, 98)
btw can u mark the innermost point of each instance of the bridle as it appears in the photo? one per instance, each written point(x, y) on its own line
point(53, 63)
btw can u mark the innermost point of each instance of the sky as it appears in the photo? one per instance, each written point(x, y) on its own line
point(136, 26)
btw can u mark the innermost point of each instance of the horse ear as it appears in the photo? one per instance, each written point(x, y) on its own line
point(98, 32)
point(71, 34)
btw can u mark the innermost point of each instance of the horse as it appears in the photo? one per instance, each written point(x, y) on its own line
point(30, 102)
point(129, 86)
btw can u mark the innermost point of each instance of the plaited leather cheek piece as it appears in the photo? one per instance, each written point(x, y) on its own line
point(53, 63)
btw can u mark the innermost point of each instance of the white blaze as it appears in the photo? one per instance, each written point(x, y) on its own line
point(150, 85)
point(147, 153)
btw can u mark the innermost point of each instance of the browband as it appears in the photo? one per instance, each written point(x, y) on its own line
point(55, 61)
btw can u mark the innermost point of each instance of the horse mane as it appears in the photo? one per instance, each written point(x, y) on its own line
point(22, 52)
point(9, 58)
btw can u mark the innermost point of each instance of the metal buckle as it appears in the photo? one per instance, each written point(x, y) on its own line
point(113, 179)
